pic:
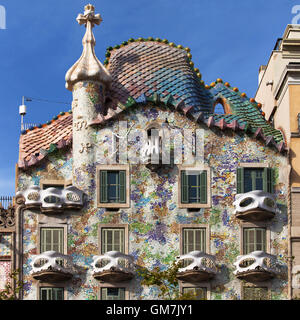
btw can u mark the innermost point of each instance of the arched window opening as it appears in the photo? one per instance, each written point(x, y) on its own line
point(219, 109)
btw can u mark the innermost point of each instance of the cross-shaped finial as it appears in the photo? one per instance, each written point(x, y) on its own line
point(89, 16)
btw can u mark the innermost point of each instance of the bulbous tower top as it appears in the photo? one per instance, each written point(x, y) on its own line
point(88, 67)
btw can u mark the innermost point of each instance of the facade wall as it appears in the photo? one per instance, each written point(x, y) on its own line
point(154, 218)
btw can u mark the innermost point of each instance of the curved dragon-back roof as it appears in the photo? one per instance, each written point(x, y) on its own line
point(146, 67)
point(158, 72)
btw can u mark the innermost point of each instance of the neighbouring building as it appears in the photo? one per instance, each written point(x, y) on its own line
point(212, 189)
point(279, 93)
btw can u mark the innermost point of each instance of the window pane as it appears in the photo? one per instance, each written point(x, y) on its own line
point(253, 179)
point(52, 239)
point(201, 293)
point(51, 293)
point(254, 239)
point(112, 293)
point(113, 239)
point(194, 239)
point(255, 293)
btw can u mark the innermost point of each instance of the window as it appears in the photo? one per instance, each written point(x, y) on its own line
point(254, 239)
point(113, 186)
point(52, 239)
point(193, 239)
point(219, 109)
point(255, 293)
point(112, 293)
point(112, 239)
point(194, 186)
point(201, 293)
point(51, 293)
point(113, 183)
point(250, 179)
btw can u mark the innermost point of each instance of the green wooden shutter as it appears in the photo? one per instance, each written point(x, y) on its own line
point(184, 187)
point(268, 178)
point(122, 186)
point(240, 180)
point(203, 187)
point(103, 186)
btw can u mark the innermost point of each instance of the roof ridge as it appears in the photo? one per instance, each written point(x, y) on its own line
point(158, 40)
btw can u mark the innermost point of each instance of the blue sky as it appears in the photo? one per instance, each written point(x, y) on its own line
point(228, 39)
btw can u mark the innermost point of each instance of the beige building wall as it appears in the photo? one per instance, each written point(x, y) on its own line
point(279, 93)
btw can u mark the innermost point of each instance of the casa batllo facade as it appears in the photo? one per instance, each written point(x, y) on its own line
point(212, 189)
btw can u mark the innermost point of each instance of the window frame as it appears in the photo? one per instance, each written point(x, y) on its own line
point(264, 284)
point(204, 284)
point(255, 165)
point(118, 167)
point(195, 226)
point(113, 226)
point(54, 183)
point(50, 287)
point(48, 225)
point(208, 187)
point(125, 285)
point(246, 225)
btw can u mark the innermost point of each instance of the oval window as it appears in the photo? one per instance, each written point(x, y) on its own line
point(269, 202)
point(52, 199)
point(246, 263)
point(246, 202)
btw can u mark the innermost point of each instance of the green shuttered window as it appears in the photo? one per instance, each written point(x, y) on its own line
point(255, 293)
point(52, 239)
point(194, 239)
point(193, 186)
point(112, 186)
point(112, 239)
point(51, 294)
point(254, 239)
point(201, 293)
point(112, 293)
point(250, 179)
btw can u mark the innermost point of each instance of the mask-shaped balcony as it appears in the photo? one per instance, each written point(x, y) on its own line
point(52, 200)
point(51, 266)
point(257, 266)
point(255, 206)
point(113, 266)
point(197, 266)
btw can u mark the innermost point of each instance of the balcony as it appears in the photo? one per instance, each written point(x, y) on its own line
point(113, 266)
point(257, 266)
point(198, 266)
point(52, 200)
point(255, 206)
point(51, 266)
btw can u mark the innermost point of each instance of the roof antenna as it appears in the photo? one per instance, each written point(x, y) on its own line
point(22, 111)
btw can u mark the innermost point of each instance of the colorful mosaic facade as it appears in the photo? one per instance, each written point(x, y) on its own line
point(150, 82)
